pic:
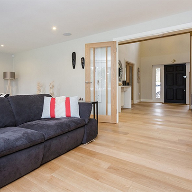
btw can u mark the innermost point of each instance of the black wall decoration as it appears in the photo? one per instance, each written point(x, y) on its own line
point(82, 62)
point(73, 59)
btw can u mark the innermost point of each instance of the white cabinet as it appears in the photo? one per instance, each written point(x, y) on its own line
point(124, 97)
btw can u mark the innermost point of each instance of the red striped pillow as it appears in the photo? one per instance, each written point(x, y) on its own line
point(60, 107)
point(72, 106)
point(54, 107)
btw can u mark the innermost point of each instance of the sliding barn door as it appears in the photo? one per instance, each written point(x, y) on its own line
point(101, 79)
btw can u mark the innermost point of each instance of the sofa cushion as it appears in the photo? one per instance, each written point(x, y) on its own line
point(54, 127)
point(27, 108)
point(14, 139)
point(7, 118)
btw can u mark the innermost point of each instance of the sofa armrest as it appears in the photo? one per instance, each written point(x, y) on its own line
point(85, 110)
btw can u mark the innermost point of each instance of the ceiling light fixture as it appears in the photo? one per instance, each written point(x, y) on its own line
point(2, 45)
point(54, 28)
point(67, 34)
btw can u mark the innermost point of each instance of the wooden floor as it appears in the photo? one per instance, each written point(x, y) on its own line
point(149, 150)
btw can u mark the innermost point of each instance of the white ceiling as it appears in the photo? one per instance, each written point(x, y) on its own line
point(27, 24)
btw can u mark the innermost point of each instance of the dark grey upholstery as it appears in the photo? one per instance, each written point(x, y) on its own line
point(91, 131)
point(85, 110)
point(18, 164)
point(7, 118)
point(54, 127)
point(14, 139)
point(36, 141)
point(61, 144)
point(27, 108)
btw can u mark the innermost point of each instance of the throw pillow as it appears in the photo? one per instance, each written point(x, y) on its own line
point(72, 106)
point(54, 107)
point(60, 107)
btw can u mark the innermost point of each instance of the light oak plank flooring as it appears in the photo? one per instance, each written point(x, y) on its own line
point(150, 150)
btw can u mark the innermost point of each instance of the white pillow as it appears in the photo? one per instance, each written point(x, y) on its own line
point(72, 106)
point(54, 107)
point(60, 107)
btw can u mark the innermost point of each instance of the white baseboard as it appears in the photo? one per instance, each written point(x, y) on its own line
point(146, 100)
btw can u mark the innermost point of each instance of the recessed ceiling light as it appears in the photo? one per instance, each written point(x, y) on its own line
point(54, 28)
point(2, 45)
point(67, 34)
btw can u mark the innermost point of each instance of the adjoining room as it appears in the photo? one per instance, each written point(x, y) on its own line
point(147, 76)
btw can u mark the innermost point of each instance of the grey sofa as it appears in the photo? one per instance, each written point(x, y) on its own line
point(27, 141)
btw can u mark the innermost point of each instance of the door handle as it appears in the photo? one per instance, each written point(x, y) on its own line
point(88, 82)
point(184, 77)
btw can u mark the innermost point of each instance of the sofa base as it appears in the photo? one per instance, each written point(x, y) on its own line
point(61, 144)
point(91, 131)
point(20, 163)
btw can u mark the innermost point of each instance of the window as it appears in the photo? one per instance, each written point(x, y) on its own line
point(158, 83)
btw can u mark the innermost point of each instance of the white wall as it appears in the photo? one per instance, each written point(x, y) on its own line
point(6, 65)
point(53, 63)
point(131, 53)
point(161, 51)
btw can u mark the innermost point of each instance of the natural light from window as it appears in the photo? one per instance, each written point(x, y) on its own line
point(158, 83)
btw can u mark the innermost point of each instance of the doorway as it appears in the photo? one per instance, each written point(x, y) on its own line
point(165, 51)
point(146, 90)
point(175, 83)
point(101, 79)
point(129, 77)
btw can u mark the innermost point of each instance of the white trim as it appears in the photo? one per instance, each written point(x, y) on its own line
point(147, 100)
point(187, 82)
point(157, 32)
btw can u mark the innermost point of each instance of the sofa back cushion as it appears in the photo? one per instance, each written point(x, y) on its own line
point(27, 108)
point(7, 118)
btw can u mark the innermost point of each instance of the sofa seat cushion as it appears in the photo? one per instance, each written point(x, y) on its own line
point(55, 126)
point(13, 139)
